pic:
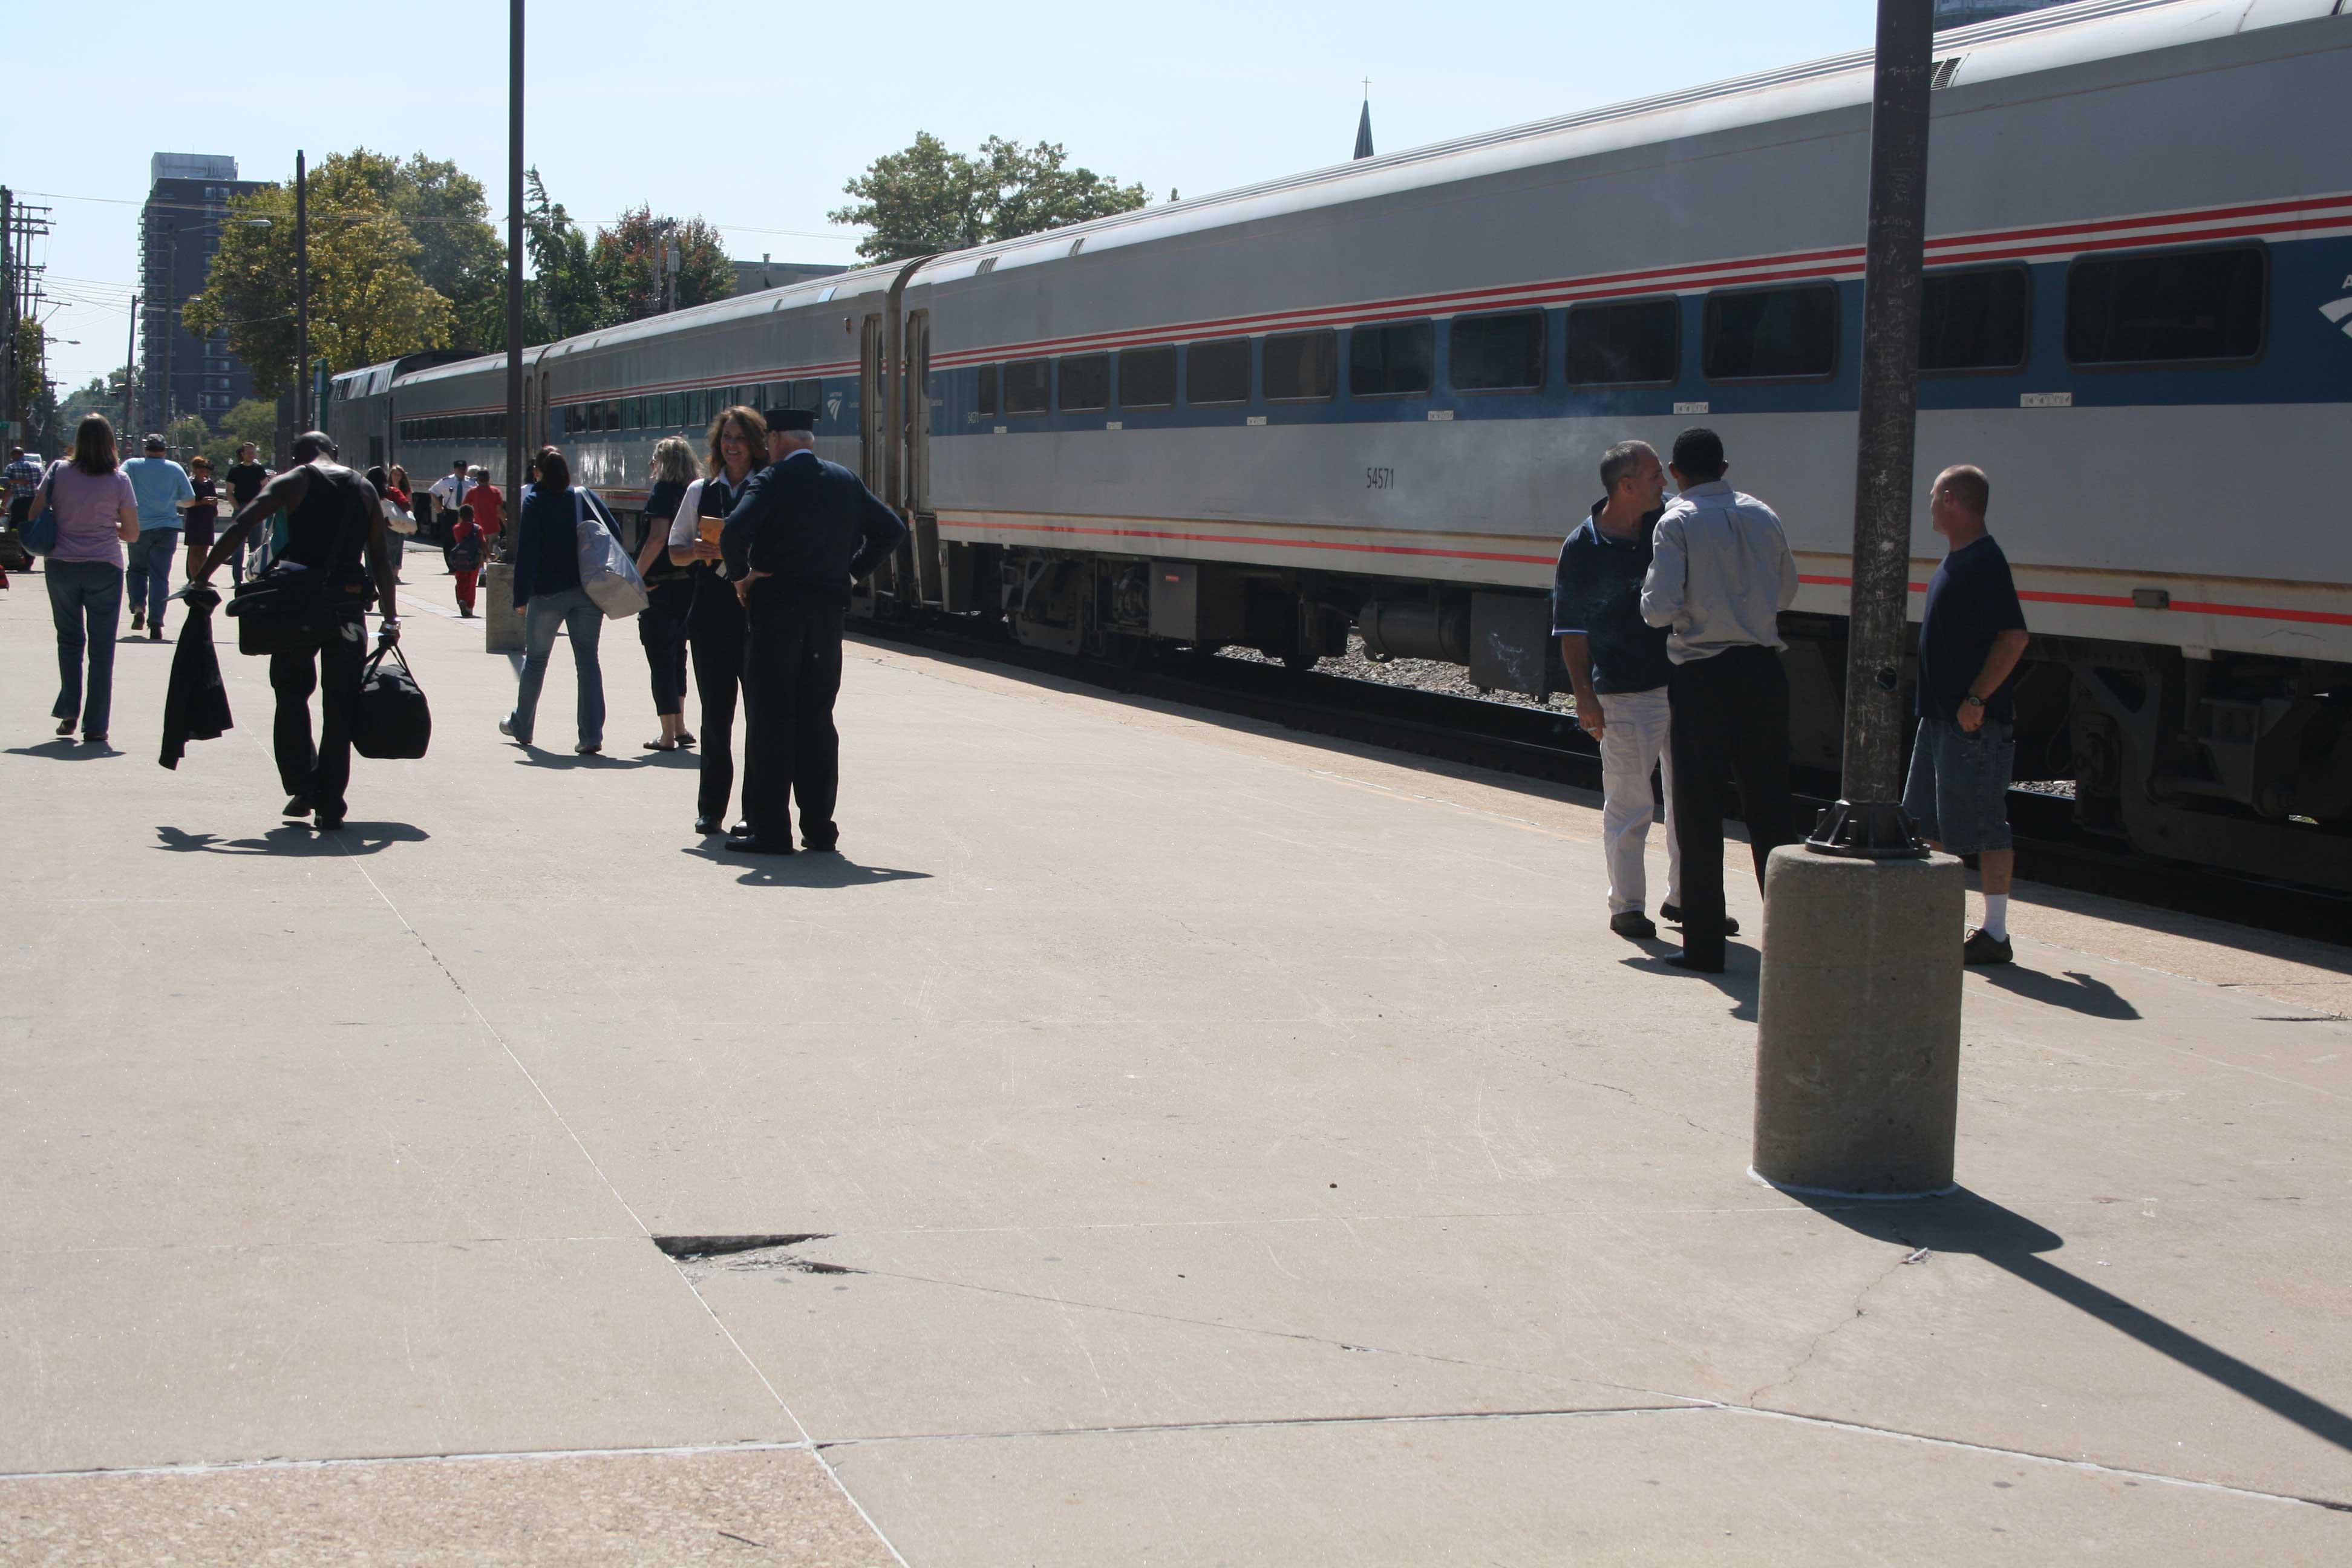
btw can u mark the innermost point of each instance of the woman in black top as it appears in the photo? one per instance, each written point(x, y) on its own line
point(669, 593)
point(201, 514)
point(738, 448)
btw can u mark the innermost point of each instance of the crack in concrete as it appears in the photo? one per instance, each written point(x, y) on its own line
point(1696, 1407)
point(1909, 1253)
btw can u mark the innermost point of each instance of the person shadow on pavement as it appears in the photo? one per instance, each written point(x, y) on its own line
point(2092, 998)
point(806, 870)
point(297, 841)
point(1741, 979)
point(65, 749)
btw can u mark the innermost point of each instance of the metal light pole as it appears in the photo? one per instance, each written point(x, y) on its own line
point(9, 410)
point(1868, 820)
point(301, 294)
point(502, 628)
point(1858, 1006)
point(516, 435)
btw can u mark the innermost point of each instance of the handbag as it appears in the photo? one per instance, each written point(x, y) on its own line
point(397, 517)
point(281, 610)
point(607, 576)
point(392, 721)
point(40, 533)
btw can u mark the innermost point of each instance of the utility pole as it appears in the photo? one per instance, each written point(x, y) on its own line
point(301, 294)
point(8, 409)
point(170, 314)
point(130, 363)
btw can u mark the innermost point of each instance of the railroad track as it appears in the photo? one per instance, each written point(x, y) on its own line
point(1541, 744)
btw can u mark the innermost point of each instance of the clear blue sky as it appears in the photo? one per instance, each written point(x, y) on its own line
point(755, 123)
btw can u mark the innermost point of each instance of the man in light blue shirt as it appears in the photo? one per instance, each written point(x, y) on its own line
point(163, 492)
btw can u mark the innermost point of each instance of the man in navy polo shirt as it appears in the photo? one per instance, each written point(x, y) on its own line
point(1618, 665)
point(1972, 638)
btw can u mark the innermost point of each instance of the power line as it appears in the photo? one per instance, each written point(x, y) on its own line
point(848, 230)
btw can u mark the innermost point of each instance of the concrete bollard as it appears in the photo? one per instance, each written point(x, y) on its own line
point(501, 627)
point(1858, 1025)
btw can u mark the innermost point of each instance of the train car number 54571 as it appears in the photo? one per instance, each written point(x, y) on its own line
point(1380, 478)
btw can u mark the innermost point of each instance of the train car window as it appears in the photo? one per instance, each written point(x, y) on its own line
point(1084, 382)
point(1147, 378)
point(1027, 389)
point(612, 414)
point(1763, 334)
point(633, 413)
point(1217, 372)
point(984, 402)
point(673, 410)
point(1498, 354)
point(1638, 342)
point(2179, 307)
point(808, 395)
point(1397, 360)
point(1974, 320)
point(775, 394)
point(1302, 367)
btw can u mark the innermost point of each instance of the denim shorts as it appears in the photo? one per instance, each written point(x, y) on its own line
point(1958, 792)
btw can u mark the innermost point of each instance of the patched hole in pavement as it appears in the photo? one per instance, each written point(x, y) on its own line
point(745, 1254)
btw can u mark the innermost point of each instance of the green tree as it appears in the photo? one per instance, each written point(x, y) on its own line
point(28, 367)
point(927, 198)
point(630, 264)
point(564, 296)
point(457, 254)
point(367, 302)
point(254, 420)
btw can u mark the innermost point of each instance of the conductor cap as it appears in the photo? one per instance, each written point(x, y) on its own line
point(789, 418)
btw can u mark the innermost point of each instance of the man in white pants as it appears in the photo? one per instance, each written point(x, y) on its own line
point(1618, 665)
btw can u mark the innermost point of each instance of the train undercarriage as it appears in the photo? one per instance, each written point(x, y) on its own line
point(2233, 761)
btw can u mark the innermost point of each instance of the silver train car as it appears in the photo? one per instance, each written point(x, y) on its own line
point(1374, 396)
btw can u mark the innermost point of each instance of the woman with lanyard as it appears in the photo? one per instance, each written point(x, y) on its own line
point(669, 592)
point(714, 621)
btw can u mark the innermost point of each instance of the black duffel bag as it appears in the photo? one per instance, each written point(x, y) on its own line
point(392, 721)
point(282, 610)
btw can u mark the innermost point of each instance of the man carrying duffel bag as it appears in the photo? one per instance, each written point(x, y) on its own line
point(335, 543)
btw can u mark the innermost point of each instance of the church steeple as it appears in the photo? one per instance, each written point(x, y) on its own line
point(1364, 123)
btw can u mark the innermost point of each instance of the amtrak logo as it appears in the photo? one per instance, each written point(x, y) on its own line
point(2340, 312)
point(833, 404)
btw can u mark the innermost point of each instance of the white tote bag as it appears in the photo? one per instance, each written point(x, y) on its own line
point(607, 573)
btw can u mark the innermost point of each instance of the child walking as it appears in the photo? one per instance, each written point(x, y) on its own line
point(466, 559)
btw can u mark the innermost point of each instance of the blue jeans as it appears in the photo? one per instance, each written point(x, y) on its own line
point(577, 614)
point(149, 573)
point(85, 601)
point(1959, 790)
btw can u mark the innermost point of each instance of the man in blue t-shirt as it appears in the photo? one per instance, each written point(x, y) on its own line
point(1971, 637)
point(1617, 664)
point(163, 492)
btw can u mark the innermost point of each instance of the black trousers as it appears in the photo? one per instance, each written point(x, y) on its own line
point(792, 673)
point(661, 631)
point(714, 632)
point(1730, 717)
point(334, 672)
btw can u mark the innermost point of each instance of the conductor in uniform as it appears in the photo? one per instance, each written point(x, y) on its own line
point(803, 533)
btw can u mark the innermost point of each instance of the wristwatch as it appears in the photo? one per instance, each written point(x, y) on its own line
point(1972, 700)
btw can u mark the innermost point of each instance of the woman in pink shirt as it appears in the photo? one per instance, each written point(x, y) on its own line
point(97, 514)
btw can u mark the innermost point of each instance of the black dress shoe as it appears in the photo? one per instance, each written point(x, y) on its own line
point(706, 825)
point(1632, 924)
point(1685, 960)
point(752, 844)
point(1672, 915)
point(741, 830)
point(821, 845)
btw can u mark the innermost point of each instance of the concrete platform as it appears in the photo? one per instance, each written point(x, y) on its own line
point(1193, 1143)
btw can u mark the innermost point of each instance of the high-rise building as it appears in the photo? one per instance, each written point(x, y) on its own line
point(1962, 13)
point(179, 230)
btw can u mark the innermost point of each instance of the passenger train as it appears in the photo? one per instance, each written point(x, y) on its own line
point(1374, 396)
